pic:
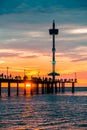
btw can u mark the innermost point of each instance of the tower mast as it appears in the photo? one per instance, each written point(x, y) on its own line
point(53, 32)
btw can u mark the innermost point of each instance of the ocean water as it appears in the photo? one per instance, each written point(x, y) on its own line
point(44, 112)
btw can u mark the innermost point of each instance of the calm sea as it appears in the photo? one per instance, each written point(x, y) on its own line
point(44, 112)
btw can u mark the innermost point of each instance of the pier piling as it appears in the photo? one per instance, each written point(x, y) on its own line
point(8, 89)
point(48, 88)
point(37, 88)
point(52, 87)
point(0, 88)
point(63, 87)
point(17, 88)
point(56, 88)
point(59, 88)
point(31, 91)
point(73, 87)
point(24, 89)
point(42, 88)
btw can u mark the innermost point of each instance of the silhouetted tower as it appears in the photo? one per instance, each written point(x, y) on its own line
point(53, 32)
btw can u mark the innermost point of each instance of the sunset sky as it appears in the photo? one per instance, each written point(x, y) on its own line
point(25, 42)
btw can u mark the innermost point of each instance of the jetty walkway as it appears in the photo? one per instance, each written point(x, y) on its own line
point(46, 85)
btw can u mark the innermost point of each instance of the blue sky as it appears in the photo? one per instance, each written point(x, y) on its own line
point(25, 16)
point(61, 10)
point(43, 6)
point(24, 26)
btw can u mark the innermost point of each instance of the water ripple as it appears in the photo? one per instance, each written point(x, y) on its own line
point(44, 112)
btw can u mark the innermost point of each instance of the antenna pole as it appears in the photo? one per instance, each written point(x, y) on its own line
point(53, 32)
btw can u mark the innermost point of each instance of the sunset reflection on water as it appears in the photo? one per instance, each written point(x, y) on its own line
point(44, 112)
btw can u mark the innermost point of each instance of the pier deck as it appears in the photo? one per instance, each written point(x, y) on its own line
point(47, 85)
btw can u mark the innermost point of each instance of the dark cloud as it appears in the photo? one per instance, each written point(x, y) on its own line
point(41, 6)
point(6, 55)
point(79, 59)
point(75, 54)
point(30, 56)
point(19, 14)
point(14, 54)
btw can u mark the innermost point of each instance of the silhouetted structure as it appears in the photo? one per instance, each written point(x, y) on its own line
point(53, 32)
point(47, 86)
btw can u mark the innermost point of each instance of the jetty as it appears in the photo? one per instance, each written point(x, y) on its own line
point(42, 86)
point(45, 85)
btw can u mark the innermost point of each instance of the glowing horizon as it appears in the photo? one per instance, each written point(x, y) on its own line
point(25, 42)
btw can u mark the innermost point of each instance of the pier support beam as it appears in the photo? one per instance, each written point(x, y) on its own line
point(37, 88)
point(59, 88)
point(24, 89)
point(45, 88)
point(8, 89)
point(0, 88)
point(73, 87)
point(52, 87)
point(31, 90)
point(63, 87)
point(56, 88)
point(42, 88)
point(17, 89)
point(48, 88)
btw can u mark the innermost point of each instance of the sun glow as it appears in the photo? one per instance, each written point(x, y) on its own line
point(28, 85)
